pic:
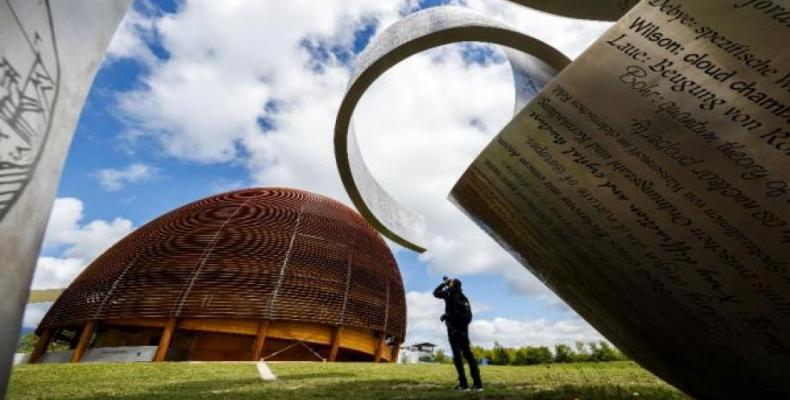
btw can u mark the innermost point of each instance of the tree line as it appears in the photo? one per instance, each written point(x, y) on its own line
point(531, 355)
point(28, 341)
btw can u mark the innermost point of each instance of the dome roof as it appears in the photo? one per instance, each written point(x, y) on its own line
point(266, 253)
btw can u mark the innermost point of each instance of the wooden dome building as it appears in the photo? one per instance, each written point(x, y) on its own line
point(270, 273)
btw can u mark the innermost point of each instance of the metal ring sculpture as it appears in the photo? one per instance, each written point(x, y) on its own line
point(532, 62)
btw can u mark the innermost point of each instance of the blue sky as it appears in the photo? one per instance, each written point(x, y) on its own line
point(187, 104)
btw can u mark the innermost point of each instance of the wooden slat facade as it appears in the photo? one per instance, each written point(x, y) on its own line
point(303, 262)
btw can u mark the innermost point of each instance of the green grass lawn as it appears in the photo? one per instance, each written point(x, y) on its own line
point(305, 380)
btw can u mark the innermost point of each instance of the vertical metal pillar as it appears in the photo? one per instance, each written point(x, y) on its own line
point(84, 342)
point(54, 52)
point(41, 346)
point(260, 340)
point(164, 342)
point(335, 343)
point(380, 347)
point(395, 353)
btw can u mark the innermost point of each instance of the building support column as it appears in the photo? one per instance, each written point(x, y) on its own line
point(335, 343)
point(164, 342)
point(395, 353)
point(260, 340)
point(41, 345)
point(380, 347)
point(84, 342)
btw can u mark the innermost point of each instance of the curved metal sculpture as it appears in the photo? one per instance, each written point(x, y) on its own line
point(49, 53)
point(533, 63)
point(629, 187)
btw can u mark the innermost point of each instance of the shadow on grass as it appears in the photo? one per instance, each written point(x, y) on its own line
point(317, 375)
point(291, 387)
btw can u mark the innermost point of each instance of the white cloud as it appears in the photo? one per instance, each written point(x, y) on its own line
point(34, 313)
point(204, 102)
point(114, 179)
point(537, 332)
point(569, 35)
point(77, 243)
point(222, 185)
point(56, 273)
point(417, 142)
point(233, 64)
point(423, 325)
point(129, 40)
point(64, 218)
point(72, 245)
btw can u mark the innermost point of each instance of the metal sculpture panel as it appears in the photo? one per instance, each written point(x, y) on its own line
point(29, 88)
point(647, 185)
point(49, 53)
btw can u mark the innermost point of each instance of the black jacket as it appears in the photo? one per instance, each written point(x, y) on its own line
point(457, 310)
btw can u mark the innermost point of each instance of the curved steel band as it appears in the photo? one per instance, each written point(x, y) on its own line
point(533, 63)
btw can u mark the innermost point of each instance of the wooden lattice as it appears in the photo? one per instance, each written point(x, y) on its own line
point(269, 253)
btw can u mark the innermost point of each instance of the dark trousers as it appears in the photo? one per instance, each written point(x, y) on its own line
point(459, 344)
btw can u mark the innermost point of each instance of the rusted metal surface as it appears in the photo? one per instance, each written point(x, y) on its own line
point(269, 253)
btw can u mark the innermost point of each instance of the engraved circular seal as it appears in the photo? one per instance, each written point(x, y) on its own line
point(29, 83)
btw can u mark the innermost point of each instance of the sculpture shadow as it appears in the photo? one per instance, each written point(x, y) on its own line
point(376, 389)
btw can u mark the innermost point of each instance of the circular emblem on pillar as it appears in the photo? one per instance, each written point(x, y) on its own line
point(29, 75)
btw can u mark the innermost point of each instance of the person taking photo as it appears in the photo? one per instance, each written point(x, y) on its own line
point(457, 316)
